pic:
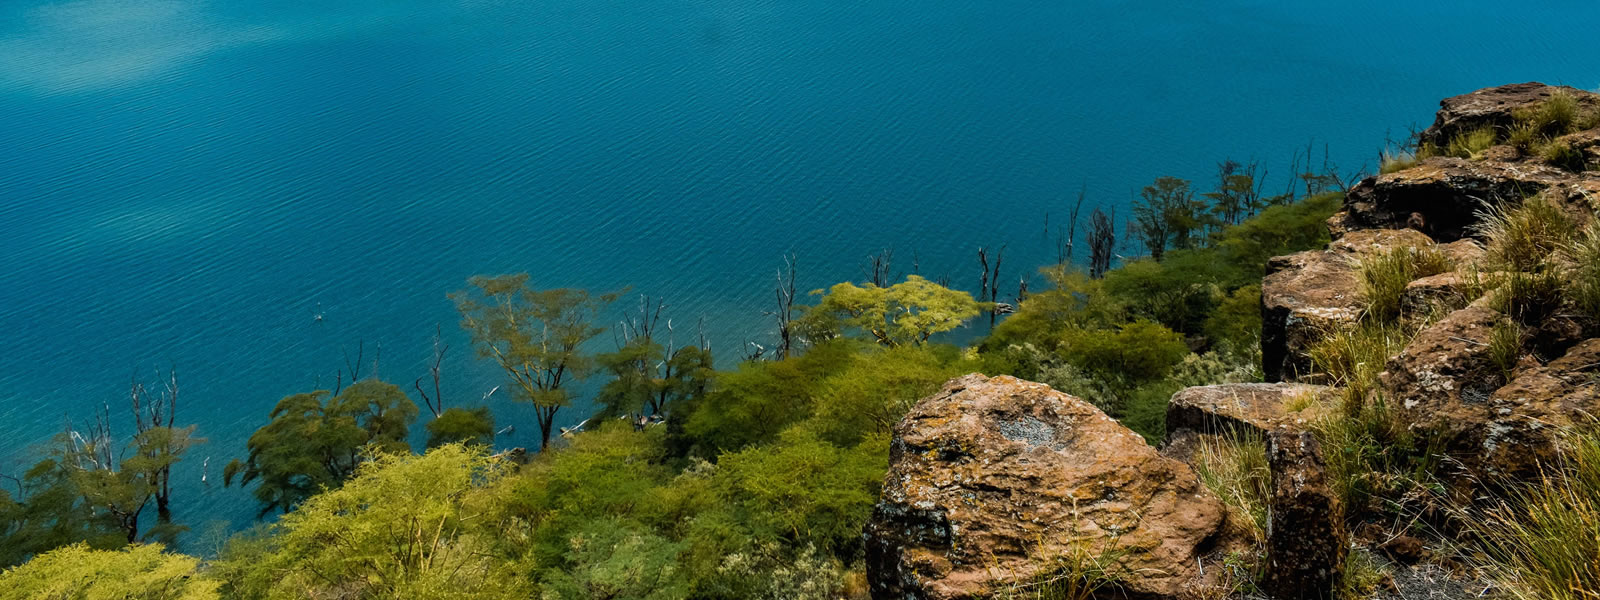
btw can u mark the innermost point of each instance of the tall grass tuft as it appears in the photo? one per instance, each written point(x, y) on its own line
point(1394, 162)
point(1470, 144)
point(1524, 237)
point(1583, 283)
point(1559, 153)
point(1505, 346)
point(1557, 115)
point(1383, 277)
point(1543, 541)
point(1234, 467)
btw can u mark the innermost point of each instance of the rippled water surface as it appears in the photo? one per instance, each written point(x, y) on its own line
point(189, 182)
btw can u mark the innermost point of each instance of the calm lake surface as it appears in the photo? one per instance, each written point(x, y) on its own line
point(190, 183)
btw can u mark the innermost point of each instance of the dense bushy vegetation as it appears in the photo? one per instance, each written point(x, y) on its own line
point(749, 482)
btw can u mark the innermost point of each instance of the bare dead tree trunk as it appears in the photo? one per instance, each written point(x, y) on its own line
point(784, 291)
point(878, 267)
point(1102, 242)
point(435, 403)
point(989, 285)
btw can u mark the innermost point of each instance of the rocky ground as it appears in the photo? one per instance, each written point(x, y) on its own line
point(991, 474)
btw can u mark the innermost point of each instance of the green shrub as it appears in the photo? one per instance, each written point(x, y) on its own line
point(1139, 351)
point(1383, 277)
point(1235, 326)
point(472, 426)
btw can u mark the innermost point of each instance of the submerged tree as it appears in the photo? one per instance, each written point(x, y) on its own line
point(452, 424)
point(535, 336)
point(906, 313)
point(1102, 241)
point(315, 442)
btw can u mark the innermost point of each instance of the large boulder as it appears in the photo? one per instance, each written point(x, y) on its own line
point(1442, 197)
point(992, 480)
point(1307, 294)
point(1493, 107)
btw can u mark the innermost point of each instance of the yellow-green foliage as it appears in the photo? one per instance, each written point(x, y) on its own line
point(1470, 144)
point(1543, 541)
point(141, 572)
point(904, 313)
point(1383, 277)
point(1234, 467)
point(404, 527)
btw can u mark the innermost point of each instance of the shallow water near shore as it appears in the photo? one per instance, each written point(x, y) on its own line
point(249, 190)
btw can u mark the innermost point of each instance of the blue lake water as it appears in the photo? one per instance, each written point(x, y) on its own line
point(189, 182)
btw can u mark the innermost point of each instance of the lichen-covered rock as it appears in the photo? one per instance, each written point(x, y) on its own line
point(1445, 386)
point(991, 478)
point(1521, 419)
point(1246, 408)
point(1446, 369)
point(1306, 537)
point(1307, 294)
point(1493, 107)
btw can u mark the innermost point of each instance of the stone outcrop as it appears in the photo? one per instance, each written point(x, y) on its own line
point(1306, 538)
point(991, 478)
point(1520, 418)
point(1442, 197)
point(1307, 294)
point(1493, 107)
point(1248, 408)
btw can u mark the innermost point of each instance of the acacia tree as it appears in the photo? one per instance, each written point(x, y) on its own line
point(906, 313)
point(315, 441)
point(1167, 215)
point(649, 371)
point(535, 336)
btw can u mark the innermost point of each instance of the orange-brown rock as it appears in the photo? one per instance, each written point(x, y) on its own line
point(1520, 419)
point(992, 477)
point(1246, 408)
point(1307, 294)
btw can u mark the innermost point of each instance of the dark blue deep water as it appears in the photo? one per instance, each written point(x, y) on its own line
point(186, 182)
